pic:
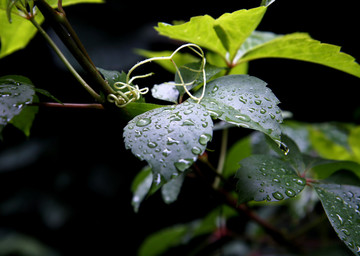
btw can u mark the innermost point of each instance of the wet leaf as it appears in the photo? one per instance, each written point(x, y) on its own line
point(170, 190)
point(244, 101)
point(16, 92)
point(141, 186)
point(169, 138)
point(263, 177)
point(342, 206)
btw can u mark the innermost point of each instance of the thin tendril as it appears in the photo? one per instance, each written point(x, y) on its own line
point(126, 93)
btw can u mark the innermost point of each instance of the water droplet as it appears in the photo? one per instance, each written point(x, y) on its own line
point(183, 164)
point(205, 124)
point(300, 182)
point(166, 152)
point(340, 219)
point(215, 89)
point(175, 117)
point(262, 111)
point(257, 102)
point(171, 141)
point(278, 196)
point(152, 144)
point(188, 122)
point(143, 122)
point(290, 193)
point(204, 139)
point(188, 112)
point(196, 150)
point(242, 99)
point(276, 180)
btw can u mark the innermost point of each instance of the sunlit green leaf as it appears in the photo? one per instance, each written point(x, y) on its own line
point(341, 204)
point(299, 46)
point(244, 101)
point(16, 35)
point(263, 177)
point(169, 138)
point(234, 28)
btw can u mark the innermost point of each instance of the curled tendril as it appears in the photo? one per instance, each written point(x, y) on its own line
point(126, 93)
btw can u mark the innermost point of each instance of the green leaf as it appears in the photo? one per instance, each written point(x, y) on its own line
point(300, 46)
point(263, 177)
point(161, 241)
point(244, 101)
point(233, 28)
point(16, 35)
point(134, 109)
point(341, 204)
point(166, 91)
point(16, 92)
point(169, 138)
point(199, 30)
point(223, 35)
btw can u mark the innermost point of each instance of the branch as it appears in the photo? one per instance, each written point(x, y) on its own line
point(63, 29)
point(69, 105)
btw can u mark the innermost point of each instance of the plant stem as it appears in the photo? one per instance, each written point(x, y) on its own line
point(223, 149)
point(65, 61)
point(69, 105)
point(63, 29)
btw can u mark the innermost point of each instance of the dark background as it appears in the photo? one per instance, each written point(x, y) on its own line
point(68, 185)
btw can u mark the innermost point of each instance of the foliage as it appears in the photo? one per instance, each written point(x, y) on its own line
point(278, 161)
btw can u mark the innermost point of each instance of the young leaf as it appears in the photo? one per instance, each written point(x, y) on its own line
point(244, 101)
point(223, 35)
point(263, 177)
point(16, 92)
point(166, 91)
point(233, 28)
point(300, 46)
point(169, 138)
point(341, 204)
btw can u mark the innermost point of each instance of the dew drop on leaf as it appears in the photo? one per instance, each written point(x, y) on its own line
point(196, 150)
point(183, 164)
point(278, 196)
point(143, 122)
point(204, 139)
point(290, 193)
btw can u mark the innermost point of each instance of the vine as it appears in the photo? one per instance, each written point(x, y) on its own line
point(126, 92)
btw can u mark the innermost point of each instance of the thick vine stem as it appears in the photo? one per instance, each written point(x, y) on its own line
point(64, 30)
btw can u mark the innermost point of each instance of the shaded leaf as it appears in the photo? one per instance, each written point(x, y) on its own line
point(169, 138)
point(263, 177)
point(16, 92)
point(170, 190)
point(341, 204)
point(244, 101)
point(141, 186)
point(192, 73)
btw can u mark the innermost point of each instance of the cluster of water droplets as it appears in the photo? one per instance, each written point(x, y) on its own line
point(342, 206)
point(244, 101)
point(13, 97)
point(170, 138)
